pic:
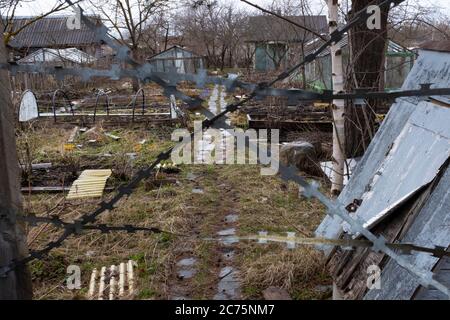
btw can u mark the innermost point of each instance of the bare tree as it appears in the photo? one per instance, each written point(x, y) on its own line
point(131, 20)
point(8, 9)
point(367, 59)
point(215, 30)
point(413, 23)
point(17, 283)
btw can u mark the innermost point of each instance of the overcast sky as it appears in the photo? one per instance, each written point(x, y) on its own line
point(35, 7)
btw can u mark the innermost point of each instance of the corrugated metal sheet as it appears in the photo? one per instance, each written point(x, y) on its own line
point(413, 161)
point(430, 228)
point(431, 67)
point(52, 32)
point(442, 271)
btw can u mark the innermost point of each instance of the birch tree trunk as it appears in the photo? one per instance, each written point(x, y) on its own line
point(337, 177)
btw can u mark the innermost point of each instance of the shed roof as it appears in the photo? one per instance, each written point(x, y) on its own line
point(393, 47)
point(270, 28)
point(51, 32)
point(57, 55)
point(432, 45)
point(174, 52)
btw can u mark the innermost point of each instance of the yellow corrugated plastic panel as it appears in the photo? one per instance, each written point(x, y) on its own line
point(90, 184)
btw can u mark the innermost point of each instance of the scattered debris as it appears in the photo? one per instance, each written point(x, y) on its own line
point(350, 165)
point(132, 155)
point(112, 136)
point(68, 147)
point(73, 135)
point(168, 168)
point(38, 166)
point(112, 278)
point(191, 177)
point(44, 189)
point(302, 155)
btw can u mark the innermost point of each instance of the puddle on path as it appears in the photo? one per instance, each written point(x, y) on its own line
point(231, 218)
point(227, 232)
point(186, 274)
point(188, 262)
point(229, 285)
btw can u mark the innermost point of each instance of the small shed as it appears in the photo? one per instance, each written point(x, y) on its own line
point(276, 42)
point(401, 184)
point(398, 63)
point(58, 57)
point(183, 60)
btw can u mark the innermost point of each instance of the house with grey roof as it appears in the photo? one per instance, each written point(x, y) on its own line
point(53, 33)
point(401, 186)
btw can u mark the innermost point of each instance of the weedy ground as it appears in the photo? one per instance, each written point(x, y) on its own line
point(189, 219)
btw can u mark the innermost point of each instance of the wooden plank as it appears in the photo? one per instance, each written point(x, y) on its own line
point(431, 294)
point(44, 189)
point(38, 166)
point(73, 134)
point(50, 189)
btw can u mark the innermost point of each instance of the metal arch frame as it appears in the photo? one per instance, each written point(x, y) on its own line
point(99, 95)
point(142, 92)
point(64, 94)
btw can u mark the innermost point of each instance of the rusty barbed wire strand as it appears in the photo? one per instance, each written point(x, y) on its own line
point(346, 244)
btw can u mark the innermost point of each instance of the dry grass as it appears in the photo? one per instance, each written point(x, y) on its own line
point(263, 203)
point(299, 271)
point(268, 204)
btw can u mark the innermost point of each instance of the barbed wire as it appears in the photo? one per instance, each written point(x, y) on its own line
point(77, 227)
point(379, 244)
point(346, 244)
point(168, 81)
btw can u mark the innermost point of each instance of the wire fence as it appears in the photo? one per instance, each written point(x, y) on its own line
point(169, 81)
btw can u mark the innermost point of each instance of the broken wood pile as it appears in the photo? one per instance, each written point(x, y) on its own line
point(113, 282)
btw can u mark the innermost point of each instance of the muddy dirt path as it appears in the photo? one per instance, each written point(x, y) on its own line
point(212, 267)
